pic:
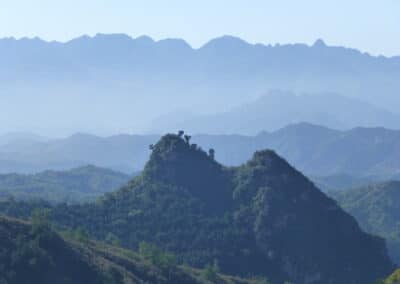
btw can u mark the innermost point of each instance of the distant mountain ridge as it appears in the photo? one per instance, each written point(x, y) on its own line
point(134, 79)
point(278, 109)
point(360, 153)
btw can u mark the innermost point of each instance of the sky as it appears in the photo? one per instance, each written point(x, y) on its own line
point(369, 25)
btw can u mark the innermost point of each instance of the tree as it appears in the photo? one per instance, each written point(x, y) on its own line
point(210, 273)
point(157, 257)
point(187, 138)
point(211, 153)
point(180, 133)
point(113, 239)
point(81, 235)
point(151, 147)
point(40, 219)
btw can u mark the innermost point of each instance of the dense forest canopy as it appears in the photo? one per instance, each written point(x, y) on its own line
point(34, 253)
point(377, 209)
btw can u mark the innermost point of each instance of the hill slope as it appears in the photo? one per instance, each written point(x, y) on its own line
point(76, 185)
point(377, 209)
point(262, 218)
point(35, 254)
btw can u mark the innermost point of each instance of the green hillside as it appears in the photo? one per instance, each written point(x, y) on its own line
point(263, 218)
point(377, 209)
point(75, 185)
point(36, 254)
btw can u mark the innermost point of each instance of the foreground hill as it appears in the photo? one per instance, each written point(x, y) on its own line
point(76, 185)
point(336, 159)
point(377, 209)
point(36, 254)
point(134, 79)
point(261, 218)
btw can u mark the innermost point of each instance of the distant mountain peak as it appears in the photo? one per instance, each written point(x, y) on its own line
point(145, 39)
point(225, 41)
point(319, 43)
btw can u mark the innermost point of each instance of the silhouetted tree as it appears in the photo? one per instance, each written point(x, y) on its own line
point(151, 147)
point(180, 133)
point(187, 138)
point(211, 153)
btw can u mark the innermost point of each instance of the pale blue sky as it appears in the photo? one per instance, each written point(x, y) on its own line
point(369, 25)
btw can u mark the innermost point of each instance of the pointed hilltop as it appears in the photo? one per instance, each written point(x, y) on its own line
point(178, 162)
point(262, 218)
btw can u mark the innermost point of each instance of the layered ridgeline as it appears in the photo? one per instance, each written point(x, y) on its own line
point(75, 185)
point(376, 207)
point(133, 79)
point(262, 218)
point(277, 109)
point(36, 254)
point(335, 159)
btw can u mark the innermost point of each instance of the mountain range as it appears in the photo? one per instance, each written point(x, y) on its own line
point(278, 109)
point(68, 87)
point(333, 158)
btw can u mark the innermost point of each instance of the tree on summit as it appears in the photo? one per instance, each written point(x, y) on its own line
point(211, 153)
point(187, 138)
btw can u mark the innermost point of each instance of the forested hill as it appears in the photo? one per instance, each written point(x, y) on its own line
point(377, 209)
point(75, 185)
point(34, 253)
point(261, 218)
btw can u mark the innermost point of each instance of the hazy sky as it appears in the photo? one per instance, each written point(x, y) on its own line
point(369, 25)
